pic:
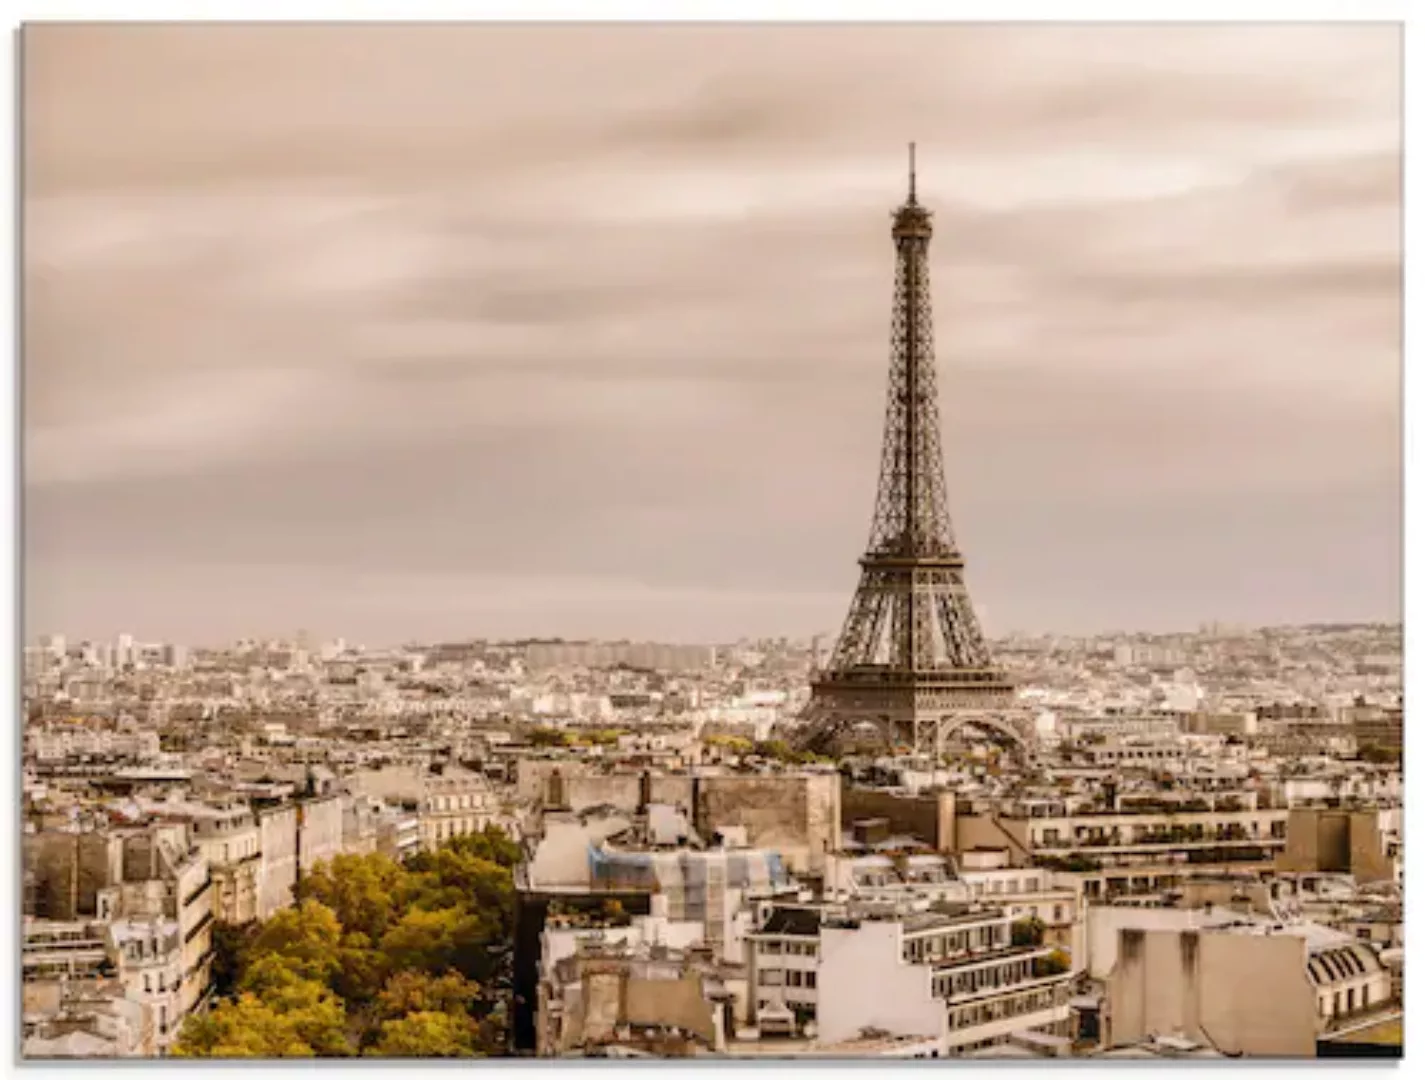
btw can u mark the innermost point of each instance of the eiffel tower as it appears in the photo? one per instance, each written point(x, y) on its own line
point(911, 659)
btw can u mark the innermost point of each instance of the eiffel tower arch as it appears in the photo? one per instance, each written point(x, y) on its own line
point(911, 662)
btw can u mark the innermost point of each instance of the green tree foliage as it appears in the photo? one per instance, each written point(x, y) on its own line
point(363, 891)
point(426, 1035)
point(361, 970)
point(1028, 931)
point(1056, 963)
point(733, 743)
point(377, 957)
point(778, 750)
point(410, 992)
point(305, 937)
point(548, 737)
point(607, 737)
point(491, 844)
point(244, 1027)
point(230, 944)
point(442, 940)
point(280, 1015)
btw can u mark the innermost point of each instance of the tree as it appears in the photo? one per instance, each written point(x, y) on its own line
point(449, 878)
point(363, 891)
point(317, 1016)
point(490, 844)
point(361, 970)
point(602, 738)
point(241, 1028)
point(278, 1014)
point(425, 1035)
point(1027, 931)
point(372, 956)
point(548, 737)
point(230, 944)
point(410, 992)
point(306, 937)
point(1056, 963)
point(439, 941)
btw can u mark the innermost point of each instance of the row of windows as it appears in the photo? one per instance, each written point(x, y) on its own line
point(789, 977)
point(1008, 886)
point(987, 1012)
point(1033, 911)
point(448, 830)
point(787, 948)
point(1350, 1002)
point(942, 946)
point(969, 982)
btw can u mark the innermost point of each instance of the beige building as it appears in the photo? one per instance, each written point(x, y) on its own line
point(133, 875)
point(796, 814)
point(277, 828)
point(958, 976)
point(1251, 989)
point(230, 839)
point(1345, 841)
point(1121, 852)
point(295, 837)
point(623, 994)
point(86, 1019)
point(456, 804)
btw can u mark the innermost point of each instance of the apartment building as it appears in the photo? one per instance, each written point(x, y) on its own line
point(1029, 894)
point(953, 972)
point(636, 996)
point(132, 905)
point(230, 838)
point(1251, 986)
point(955, 975)
point(85, 1019)
point(457, 804)
point(147, 955)
point(1148, 849)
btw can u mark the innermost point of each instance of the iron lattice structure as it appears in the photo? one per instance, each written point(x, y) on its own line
point(911, 658)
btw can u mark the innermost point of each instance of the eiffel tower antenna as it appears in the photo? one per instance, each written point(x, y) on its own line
point(911, 658)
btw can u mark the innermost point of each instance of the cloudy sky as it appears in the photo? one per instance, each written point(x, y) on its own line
point(397, 332)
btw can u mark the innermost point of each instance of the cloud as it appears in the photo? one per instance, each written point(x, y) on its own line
point(481, 299)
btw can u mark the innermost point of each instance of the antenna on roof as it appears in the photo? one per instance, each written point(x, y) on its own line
point(912, 173)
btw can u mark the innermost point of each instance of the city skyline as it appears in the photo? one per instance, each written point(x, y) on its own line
point(420, 364)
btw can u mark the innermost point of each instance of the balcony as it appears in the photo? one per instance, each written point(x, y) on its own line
point(1155, 842)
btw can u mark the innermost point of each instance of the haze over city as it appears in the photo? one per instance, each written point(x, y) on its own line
point(393, 333)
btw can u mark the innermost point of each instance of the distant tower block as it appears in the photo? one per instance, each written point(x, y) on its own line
point(911, 664)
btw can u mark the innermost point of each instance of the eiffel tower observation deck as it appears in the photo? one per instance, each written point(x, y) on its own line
point(911, 661)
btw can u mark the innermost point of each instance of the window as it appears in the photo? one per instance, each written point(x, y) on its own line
point(809, 980)
point(794, 978)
